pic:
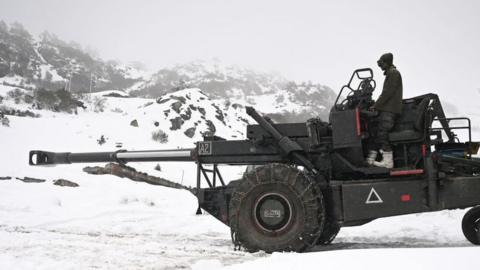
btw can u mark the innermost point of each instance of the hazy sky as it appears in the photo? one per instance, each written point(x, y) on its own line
point(436, 44)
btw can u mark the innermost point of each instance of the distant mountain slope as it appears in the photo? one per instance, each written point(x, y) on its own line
point(271, 93)
point(52, 63)
point(48, 62)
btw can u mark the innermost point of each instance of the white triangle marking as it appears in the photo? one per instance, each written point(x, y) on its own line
point(376, 198)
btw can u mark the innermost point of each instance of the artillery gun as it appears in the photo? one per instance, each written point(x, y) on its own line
point(310, 179)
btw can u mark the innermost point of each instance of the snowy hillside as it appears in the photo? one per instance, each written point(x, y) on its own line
point(51, 63)
point(112, 223)
point(176, 120)
point(48, 62)
point(284, 100)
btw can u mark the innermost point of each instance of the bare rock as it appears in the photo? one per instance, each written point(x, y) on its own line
point(95, 170)
point(31, 180)
point(181, 99)
point(161, 100)
point(134, 123)
point(177, 123)
point(65, 183)
point(187, 115)
point(190, 132)
point(211, 126)
point(176, 106)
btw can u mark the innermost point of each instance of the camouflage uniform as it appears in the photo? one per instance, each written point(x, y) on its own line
point(389, 104)
point(386, 121)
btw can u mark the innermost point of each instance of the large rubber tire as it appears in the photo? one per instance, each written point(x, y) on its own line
point(276, 208)
point(330, 231)
point(471, 225)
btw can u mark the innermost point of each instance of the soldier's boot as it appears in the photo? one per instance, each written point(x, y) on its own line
point(372, 156)
point(387, 161)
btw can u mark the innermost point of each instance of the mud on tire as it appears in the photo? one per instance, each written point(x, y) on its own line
point(330, 231)
point(276, 208)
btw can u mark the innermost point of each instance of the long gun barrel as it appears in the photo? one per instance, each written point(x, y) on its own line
point(37, 157)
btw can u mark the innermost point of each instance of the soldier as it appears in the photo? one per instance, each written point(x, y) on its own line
point(388, 105)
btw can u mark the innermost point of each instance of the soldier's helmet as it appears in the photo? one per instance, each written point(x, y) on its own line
point(386, 58)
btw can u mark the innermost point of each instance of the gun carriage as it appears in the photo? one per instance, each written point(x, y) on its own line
point(307, 180)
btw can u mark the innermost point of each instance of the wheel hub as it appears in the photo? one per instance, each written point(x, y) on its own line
point(272, 212)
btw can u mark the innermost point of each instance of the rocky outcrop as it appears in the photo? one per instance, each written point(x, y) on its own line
point(65, 183)
point(190, 132)
point(31, 180)
point(134, 123)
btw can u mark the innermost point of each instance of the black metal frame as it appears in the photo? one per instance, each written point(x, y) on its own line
point(434, 112)
point(468, 127)
point(201, 171)
point(357, 74)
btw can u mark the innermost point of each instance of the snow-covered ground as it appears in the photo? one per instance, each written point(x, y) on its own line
point(113, 223)
point(106, 223)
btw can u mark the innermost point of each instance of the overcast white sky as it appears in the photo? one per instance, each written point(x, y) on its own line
point(436, 44)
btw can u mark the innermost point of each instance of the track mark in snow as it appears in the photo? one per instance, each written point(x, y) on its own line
point(87, 249)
